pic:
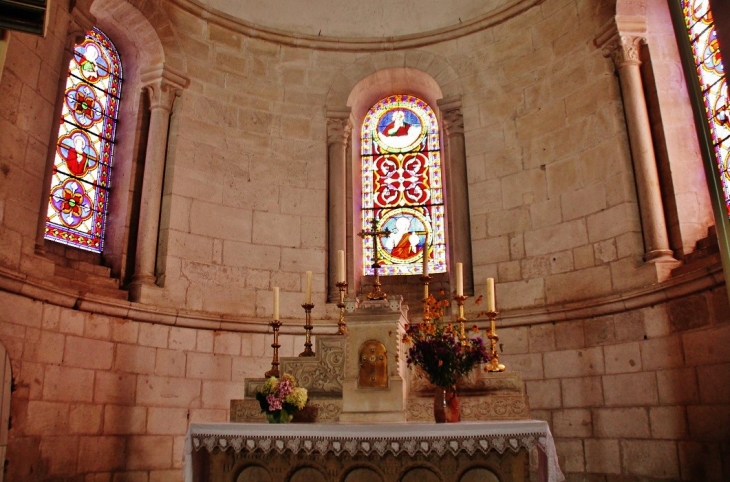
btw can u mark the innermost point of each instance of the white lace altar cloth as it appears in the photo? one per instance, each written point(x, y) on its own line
point(367, 439)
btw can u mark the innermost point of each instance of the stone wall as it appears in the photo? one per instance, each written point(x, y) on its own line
point(103, 397)
point(553, 209)
point(553, 213)
point(641, 393)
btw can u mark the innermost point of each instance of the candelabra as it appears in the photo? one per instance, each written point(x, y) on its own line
point(426, 279)
point(460, 318)
point(274, 372)
point(308, 329)
point(493, 365)
point(341, 325)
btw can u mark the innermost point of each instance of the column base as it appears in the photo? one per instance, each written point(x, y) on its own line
point(143, 288)
point(659, 255)
point(663, 263)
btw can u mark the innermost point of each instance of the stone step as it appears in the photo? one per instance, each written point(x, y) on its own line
point(91, 279)
point(86, 267)
point(698, 264)
point(92, 287)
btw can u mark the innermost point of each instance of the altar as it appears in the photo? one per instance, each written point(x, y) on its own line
point(518, 450)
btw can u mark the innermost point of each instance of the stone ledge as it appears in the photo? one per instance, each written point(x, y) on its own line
point(11, 281)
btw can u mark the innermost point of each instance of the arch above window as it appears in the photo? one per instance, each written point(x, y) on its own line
point(402, 188)
point(80, 183)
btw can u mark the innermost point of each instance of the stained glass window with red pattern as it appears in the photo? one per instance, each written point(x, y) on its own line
point(713, 83)
point(402, 187)
point(80, 184)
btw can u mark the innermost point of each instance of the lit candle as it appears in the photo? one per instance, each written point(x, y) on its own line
point(425, 260)
point(276, 303)
point(491, 304)
point(459, 279)
point(340, 266)
point(308, 296)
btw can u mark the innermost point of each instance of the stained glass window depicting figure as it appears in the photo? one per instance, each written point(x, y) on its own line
point(82, 167)
point(713, 83)
point(402, 187)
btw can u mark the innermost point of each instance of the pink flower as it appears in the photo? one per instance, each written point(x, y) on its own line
point(285, 388)
point(274, 402)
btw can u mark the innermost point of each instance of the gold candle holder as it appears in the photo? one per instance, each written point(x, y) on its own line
point(274, 372)
point(493, 365)
point(461, 319)
point(377, 293)
point(341, 325)
point(308, 329)
point(426, 279)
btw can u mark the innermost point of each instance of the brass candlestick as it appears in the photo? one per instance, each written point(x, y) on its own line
point(341, 326)
point(377, 293)
point(460, 318)
point(493, 365)
point(308, 329)
point(426, 279)
point(274, 372)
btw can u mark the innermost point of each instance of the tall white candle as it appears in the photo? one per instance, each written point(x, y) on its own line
point(425, 260)
point(459, 279)
point(276, 302)
point(340, 266)
point(491, 303)
point(308, 295)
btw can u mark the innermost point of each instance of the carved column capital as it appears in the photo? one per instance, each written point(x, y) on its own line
point(453, 119)
point(338, 130)
point(621, 38)
point(162, 95)
point(162, 84)
point(453, 122)
point(624, 50)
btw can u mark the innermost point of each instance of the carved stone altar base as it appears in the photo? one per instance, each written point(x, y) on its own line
point(374, 388)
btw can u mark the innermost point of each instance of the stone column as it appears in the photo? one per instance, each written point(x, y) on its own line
point(163, 86)
point(338, 134)
point(624, 51)
point(457, 192)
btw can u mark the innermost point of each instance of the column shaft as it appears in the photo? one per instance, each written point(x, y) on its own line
point(457, 195)
point(161, 97)
point(656, 240)
point(337, 136)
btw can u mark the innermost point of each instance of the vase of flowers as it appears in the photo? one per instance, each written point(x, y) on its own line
point(438, 350)
point(281, 398)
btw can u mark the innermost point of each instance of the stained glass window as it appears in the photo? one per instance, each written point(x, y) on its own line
point(713, 82)
point(82, 167)
point(401, 187)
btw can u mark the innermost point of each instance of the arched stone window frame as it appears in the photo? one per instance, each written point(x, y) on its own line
point(154, 76)
point(349, 100)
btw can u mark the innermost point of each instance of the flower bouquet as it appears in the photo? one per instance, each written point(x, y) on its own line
point(442, 356)
point(281, 398)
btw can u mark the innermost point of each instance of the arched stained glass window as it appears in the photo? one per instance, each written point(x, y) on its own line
point(401, 187)
point(713, 82)
point(82, 167)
